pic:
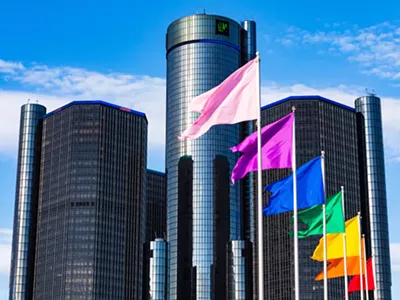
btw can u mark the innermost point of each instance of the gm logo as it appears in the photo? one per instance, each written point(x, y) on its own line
point(222, 27)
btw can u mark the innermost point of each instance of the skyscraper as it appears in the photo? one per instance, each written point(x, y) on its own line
point(156, 205)
point(156, 230)
point(158, 270)
point(321, 124)
point(370, 122)
point(90, 224)
point(24, 232)
point(203, 50)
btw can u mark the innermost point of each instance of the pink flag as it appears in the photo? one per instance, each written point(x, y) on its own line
point(276, 148)
point(234, 100)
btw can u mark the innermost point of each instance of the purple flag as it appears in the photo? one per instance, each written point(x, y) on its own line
point(276, 148)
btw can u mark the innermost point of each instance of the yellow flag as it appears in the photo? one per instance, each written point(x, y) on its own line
point(336, 267)
point(335, 243)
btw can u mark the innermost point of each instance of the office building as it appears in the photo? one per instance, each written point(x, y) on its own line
point(158, 270)
point(202, 51)
point(156, 224)
point(239, 276)
point(156, 205)
point(91, 212)
point(321, 124)
point(24, 230)
point(370, 126)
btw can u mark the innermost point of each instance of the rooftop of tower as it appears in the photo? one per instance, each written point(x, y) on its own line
point(156, 172)
point(309, 97)
point(90, 102)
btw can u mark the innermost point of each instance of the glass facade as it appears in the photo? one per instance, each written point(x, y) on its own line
point(370, 115)
point(158, 269)
point(156, 219)
point(202, 50)
point(91, 212)
point(156, 205)
point(24, 232)
point(321, 124)
point(240, 274)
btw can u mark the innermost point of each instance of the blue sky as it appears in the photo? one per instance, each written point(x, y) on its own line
point(59, 51)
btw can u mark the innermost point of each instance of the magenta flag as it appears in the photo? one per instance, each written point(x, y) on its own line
point(276, 148)
point(233, 101)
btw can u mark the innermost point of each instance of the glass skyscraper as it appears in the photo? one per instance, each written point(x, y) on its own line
point(204, 211)
point(91, 212)
point(370, 121)
point(156, 205)
point(158, 270)
point(156, 228)
point(239, 276)
point(321, 124)
point(24, 232)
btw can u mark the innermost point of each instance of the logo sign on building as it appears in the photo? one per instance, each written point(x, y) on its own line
point(222, 27)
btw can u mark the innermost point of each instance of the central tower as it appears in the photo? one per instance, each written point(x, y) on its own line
point(204, 211)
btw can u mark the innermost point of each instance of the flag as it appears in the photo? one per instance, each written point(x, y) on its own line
point(335, 247)
point(276, 148)
point(313, 218)
point(336, 268)
point(310, 189)
point(354, 284)
point(235, 100)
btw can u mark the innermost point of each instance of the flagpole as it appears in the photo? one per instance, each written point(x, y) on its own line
point(295, 228)
point(365, 269)
point(346, 282)
point(361, 267)
point(324, 229)
point(259, 191)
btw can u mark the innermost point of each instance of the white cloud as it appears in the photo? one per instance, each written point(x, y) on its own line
point(346, 95)
point(9, 66)
point(395, 256)
point(5, 250)
point(55, 87)
point(375, 48)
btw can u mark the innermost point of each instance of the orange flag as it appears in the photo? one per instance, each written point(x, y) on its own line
point(336, 266)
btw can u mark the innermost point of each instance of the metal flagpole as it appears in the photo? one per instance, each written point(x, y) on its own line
point(361, 267)
point(295, 228)
point(324, 228)
point(365, 269)
point(346, 282)
point(259, 191)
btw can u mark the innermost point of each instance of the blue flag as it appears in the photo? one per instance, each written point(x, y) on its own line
point(310, 189)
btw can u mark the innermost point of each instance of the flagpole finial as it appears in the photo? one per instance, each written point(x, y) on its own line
point(293, 108)
point(323, 154)
point(258, 54)
point(342, 187)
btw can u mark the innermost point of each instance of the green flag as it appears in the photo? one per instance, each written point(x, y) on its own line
point(313, 218)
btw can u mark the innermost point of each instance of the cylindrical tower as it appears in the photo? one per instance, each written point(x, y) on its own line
point(23, 243)
point(240, 276)
point(369, 110)
point(158, 269)
point(202, 51)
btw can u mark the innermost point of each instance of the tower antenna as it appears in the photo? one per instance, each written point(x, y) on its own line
point(370, 94)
